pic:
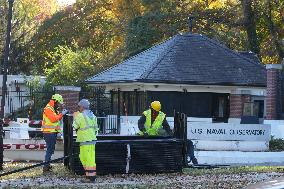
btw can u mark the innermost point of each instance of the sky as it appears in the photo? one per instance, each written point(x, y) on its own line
point(66, 2)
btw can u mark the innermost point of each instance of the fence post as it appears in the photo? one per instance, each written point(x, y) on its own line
point(184, 137)
point(118, 111)
point(1, 144)
point(68, 140)
point(65, 139)
point(180, 132)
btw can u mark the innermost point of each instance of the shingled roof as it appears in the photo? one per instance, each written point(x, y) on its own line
point(250, 55)
point(186, 59)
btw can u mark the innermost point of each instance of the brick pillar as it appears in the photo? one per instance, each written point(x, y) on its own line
point(236, 106)
point(237, 100)
point(70, 96)
point(272, 98)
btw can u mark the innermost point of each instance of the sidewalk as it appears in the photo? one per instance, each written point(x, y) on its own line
point(240, 158)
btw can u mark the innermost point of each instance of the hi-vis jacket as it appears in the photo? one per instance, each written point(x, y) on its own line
point(51, 120)
point(86, 126)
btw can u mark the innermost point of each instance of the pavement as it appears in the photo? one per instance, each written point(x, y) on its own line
point(270, 184)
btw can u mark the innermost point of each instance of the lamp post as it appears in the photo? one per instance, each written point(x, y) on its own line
point(4, 71)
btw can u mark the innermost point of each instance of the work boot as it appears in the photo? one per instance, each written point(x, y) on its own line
point(88, 180)
point(93, 179)
point(194, 161)
point(49, 167)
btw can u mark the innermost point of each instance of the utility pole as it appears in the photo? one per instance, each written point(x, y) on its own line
point(4, 72)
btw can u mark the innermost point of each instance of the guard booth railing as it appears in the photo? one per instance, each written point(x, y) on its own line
point(116, 154)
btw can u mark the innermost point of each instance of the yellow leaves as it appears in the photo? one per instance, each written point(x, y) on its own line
point(270, 60)
point(127, 9)
point(268, 52)
point(109, 14)
point(36, 10)
point(217, 4)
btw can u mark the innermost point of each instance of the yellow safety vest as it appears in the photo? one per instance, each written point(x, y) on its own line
point(47, 125)
point(153, 129)
point(87, 128)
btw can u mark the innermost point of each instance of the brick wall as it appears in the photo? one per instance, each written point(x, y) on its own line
point(237, 104)
point(273, 102)
point(70, 96)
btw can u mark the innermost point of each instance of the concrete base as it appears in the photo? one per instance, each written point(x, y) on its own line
point(240, 158)
point(30, 150)
point(29, 155)
point(234, 120)
point(277, 128)
point(246, 146)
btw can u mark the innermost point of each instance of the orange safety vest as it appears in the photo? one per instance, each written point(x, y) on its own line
point(47, 125)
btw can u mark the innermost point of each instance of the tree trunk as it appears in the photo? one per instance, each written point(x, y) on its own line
point(250, 26)
point(273, 33)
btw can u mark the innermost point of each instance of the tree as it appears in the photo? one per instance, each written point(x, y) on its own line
point(271, 29)
point(88, 24)
point(250, 25)
point(162, 19)
point(117, 29)
point(242, 25)
point(68, 67)
point(27, 16)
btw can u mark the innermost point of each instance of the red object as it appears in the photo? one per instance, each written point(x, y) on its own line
point(35, 122)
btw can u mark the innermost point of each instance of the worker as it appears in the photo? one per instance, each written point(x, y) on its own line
point(153, 123)
point(85, 124)
point(51, 127)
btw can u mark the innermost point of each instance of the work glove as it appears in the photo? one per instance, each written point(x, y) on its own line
point(163, 132)
point(64, 111)
point(59, 136)
point(145, 134)
point(96, 131)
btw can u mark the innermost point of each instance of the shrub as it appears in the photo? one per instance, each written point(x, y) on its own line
point(276, 145)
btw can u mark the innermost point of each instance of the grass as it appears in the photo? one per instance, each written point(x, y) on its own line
point(61, 172)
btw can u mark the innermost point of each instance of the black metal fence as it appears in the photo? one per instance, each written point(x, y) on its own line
point(26, 103)
point(102, 106)
point(131, 154)
point(101, 101)
point(30, 103)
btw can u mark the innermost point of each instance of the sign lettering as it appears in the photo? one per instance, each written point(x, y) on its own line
point(227, 131)
point(24, 146)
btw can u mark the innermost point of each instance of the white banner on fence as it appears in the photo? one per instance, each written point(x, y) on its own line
point(227, 131)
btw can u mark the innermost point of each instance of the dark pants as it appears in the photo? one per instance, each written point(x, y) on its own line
point(190, 149)
point(50, 140)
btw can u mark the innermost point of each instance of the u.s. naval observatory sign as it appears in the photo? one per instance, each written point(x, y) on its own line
point(228, 132)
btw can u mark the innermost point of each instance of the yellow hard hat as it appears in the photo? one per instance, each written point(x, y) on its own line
point(58, 98)
point(156, 105)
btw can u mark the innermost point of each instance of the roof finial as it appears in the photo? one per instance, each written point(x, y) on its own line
point(190, 20)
